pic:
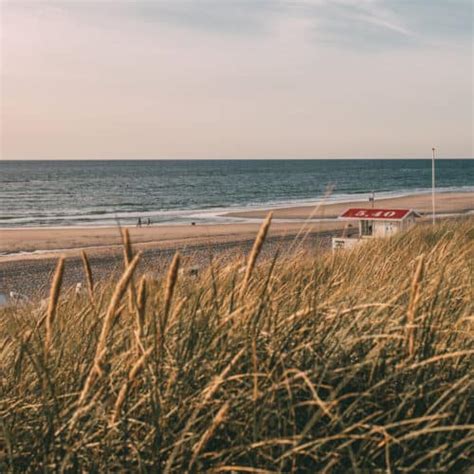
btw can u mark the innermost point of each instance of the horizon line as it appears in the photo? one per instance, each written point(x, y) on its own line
point(238, 159)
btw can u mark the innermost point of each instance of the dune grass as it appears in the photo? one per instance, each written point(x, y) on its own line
point(303, 362)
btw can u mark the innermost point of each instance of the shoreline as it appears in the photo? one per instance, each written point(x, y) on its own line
point(46, 242)
point(30, 255)
point(234, 214)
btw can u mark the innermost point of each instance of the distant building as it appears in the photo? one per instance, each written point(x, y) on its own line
point(375, 223)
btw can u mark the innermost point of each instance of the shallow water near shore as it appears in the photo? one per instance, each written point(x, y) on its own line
point(102, 193)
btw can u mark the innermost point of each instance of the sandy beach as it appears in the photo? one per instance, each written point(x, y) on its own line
point(29, 255)
point(30, 274)
point(26, 243)
point(21, 244)
point(447, 203)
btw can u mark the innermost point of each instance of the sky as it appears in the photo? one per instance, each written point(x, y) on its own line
point(116, 79)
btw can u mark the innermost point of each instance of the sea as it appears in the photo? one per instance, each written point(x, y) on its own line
point(104, 193)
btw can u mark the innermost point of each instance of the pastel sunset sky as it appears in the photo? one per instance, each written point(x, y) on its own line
point(236, 79)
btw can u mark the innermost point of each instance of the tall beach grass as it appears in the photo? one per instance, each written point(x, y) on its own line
point(354, 361)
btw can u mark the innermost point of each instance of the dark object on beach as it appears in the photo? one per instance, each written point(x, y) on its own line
point(139, 222)
point(148, 222)
point(193, 223)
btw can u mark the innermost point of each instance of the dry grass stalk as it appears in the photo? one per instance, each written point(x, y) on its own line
point(53, 303)
point(206, 436)
point(141, 305)
point(413, 305)
point(127, 247)
point(120, 289)
point(134, 371)
point(206, 395)
point(255, 370)
point(127, 258)
point(88, 275)
point(171, 279)
point(256, 249)
point(319, 381)
point(140, 313)
point(141, 295)
point(306, 228)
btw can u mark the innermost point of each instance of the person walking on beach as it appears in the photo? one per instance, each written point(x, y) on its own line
point(148, 222)
point(139, 222)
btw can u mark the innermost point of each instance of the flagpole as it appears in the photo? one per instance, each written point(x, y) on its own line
point(433, 184)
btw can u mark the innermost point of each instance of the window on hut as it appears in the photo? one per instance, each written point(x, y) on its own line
point(366, 227)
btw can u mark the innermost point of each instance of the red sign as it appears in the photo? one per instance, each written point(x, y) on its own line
point(383, 214)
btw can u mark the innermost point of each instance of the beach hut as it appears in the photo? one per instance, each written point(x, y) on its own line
point(375, 223)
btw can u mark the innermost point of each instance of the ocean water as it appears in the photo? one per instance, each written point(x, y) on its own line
point(86, 193)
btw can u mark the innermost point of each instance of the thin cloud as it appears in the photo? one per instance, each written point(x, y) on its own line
point(235, 78)
point(374, 12)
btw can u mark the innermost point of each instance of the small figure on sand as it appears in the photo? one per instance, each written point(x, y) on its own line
point(139, 222)
point(148, 222)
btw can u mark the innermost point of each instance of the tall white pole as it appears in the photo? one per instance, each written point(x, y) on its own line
point(433, 184)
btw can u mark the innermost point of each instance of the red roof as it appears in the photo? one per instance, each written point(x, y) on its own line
point(372, 214)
